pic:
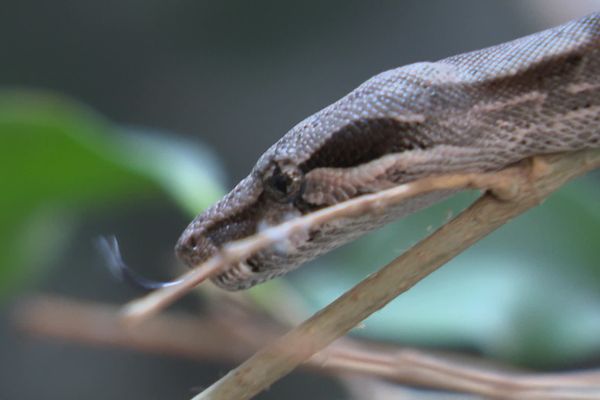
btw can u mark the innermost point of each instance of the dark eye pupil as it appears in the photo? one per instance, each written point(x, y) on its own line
point(281, 182)
point(283, 185)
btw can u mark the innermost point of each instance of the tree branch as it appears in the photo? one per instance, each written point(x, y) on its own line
point(143, 308)
point(230, 337)
point(513, 191)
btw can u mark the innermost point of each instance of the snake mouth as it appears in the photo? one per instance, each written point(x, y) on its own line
point(239, 276)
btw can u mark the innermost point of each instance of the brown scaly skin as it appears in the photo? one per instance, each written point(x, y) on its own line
point(478, 111)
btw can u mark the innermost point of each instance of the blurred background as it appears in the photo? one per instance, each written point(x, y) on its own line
point(129, 117)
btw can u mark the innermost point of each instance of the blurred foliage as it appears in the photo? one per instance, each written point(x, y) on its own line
point(58, 158)
point(530, 293)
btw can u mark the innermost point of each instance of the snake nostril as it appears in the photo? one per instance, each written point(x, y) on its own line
point(186, 246)
point(194, 247)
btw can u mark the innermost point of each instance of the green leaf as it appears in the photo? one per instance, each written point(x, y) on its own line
point(59, 158)
point(189, 172)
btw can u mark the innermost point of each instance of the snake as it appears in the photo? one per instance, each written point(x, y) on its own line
point(475, 112)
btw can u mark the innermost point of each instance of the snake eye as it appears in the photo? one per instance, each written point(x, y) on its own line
point(284, 184)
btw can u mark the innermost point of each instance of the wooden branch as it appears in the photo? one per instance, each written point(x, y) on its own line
point(513, 191)
point(210, 339)
point(98, 324)
point(233, 252)
point(461, 374)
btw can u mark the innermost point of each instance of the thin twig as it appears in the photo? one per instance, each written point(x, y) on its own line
point(521, 187)
point(419, 368)
point(208, 339)
point(143, 308)
point(98, 324)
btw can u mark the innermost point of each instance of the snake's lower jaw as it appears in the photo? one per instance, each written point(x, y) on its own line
point(240, 276)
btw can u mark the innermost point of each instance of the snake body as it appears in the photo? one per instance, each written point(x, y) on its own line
point(478, 111)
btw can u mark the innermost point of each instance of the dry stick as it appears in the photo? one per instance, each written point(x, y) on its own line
point(145, 307)
point(418, 368)
point(92, 323)
point(532, 182)
point(434, 371)
point(203, 339)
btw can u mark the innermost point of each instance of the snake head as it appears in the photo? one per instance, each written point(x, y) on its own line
point(316, 164)
point(270, 195)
